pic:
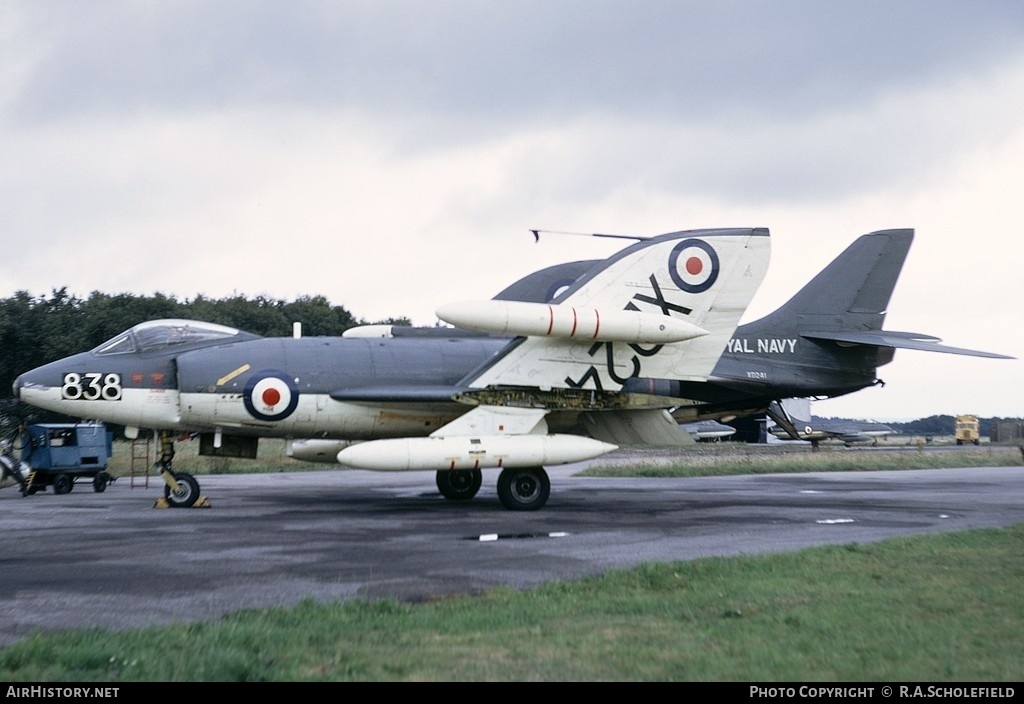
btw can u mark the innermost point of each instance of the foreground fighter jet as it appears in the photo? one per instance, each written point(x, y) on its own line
point(456, 401)
point(562, 366)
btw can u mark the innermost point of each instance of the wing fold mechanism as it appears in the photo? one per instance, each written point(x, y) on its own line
point(664, 308)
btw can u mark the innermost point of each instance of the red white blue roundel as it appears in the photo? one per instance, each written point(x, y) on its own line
point(693, 266)
point(270, 395)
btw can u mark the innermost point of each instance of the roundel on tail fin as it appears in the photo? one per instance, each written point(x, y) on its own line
point(693, 265)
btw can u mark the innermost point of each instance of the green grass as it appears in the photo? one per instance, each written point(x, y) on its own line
point(730, 458)
point(937, 608)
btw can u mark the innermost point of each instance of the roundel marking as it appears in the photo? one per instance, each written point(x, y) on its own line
point(557, 289)
point(270, 395)
point(693, 266)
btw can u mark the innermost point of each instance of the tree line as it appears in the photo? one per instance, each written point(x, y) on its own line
point(944, 425)
point(35, 330)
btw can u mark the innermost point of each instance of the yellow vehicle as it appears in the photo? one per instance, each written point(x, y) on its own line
point(968, 430)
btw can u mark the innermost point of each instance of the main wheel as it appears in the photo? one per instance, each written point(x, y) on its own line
point(62, 484)
point(524, 488)
point(187, 493)
point(99, 482)
point(459, 484)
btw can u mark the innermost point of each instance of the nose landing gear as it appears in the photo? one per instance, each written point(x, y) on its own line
point(182, 489)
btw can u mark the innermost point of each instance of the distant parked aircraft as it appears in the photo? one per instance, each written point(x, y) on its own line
point(808, 428)
point(709, 430)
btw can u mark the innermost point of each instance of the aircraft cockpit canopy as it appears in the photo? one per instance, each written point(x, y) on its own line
point(155, 335)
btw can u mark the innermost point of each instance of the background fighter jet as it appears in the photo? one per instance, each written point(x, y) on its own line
point(709, 430)
point(814, 430)
point(564, 365)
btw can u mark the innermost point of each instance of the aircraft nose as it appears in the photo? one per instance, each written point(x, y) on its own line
point(23, 381)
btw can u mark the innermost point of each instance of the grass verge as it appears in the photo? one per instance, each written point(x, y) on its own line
point(728, 458)
point(937, 608)
point(699, 460)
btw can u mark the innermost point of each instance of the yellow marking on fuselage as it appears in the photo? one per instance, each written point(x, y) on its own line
point(228, 377)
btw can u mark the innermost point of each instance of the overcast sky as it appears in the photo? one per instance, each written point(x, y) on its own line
point(392, 156)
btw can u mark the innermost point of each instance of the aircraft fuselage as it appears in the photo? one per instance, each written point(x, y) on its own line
point(312, 387)
point(261, 386)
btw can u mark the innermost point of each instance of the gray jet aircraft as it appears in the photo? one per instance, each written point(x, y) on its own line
point(814, 430)
point(564, 365)
point(709, 430)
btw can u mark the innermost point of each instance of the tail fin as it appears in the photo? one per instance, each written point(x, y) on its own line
point(790, 413)
point(704, 278)
point(847, 301)
point(827, 340)
point(851, 293)
point(798, 410)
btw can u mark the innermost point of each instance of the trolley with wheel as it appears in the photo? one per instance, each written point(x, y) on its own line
point(57, 455)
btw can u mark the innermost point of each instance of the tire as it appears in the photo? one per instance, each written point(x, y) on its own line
point(19, 440)
point(9, 468)
point(187, 494)
point(459, 484)
point(524, 488)
point(99, 482)
point(63, 484)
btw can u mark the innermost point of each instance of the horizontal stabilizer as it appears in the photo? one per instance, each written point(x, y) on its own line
point(900, 340)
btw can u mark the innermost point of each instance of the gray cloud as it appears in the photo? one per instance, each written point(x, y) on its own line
point(463, 62)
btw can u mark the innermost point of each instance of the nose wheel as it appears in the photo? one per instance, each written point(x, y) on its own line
point(184, 494)
point(181, 489)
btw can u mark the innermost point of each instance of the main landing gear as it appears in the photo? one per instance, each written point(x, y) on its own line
point(459, 484)
point(182, 489)
point(519, 488)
